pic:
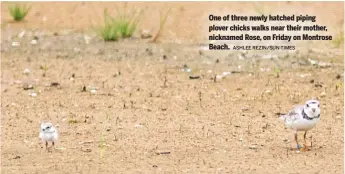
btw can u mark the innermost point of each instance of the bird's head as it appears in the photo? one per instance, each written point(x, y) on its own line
point(46, 127)
point(312, 108)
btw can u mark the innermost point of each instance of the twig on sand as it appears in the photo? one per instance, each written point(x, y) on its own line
point(161, 25)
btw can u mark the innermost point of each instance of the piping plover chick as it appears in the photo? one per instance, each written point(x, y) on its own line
point(303, 118)
point(48, 133)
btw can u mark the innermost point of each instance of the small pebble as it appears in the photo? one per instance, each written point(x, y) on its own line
point(194, 77)
point(138, 125)
point(33, 94)
point(54, 84)
point(15, 44)
point(93, 91)
point(226, 73)
point(318, 85)
point(33, 42)
point(304, 75)
point(246, 108)
point(252, 147)
point(323, 94)
point(219, 76)
point(21, 34)
point(26, 71)
point(86, 149)
point(87, 39)
point(311, 61)
point(324, 64)
point(27, 86)
point(145, 34)
point(60, 148)
point(77, 50)
point(17, 82)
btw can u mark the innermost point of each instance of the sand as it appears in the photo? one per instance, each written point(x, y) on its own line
point(146, 114)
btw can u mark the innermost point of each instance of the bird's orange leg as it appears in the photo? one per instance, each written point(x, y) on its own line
point(296, 139)
point(305, 147)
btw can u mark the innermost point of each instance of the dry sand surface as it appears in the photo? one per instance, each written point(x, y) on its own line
point(147, 115)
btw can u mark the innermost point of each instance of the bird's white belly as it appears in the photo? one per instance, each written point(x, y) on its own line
point(303, 124)
point(47, 136)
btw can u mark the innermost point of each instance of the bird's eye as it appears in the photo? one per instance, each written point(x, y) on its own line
point(307, 105)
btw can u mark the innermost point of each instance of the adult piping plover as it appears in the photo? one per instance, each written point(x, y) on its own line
point(303, 118)
point(48, 133)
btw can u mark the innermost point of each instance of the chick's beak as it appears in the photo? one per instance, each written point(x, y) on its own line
point(313, 109)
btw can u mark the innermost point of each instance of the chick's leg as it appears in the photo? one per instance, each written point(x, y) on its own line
point(47, 146)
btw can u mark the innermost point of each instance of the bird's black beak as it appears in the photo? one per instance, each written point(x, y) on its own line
point(313, 109)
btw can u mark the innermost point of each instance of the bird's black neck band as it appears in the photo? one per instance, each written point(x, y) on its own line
point(305, 116)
